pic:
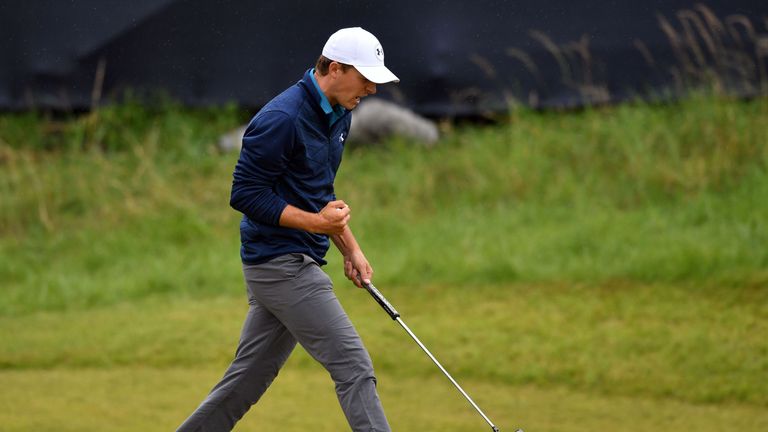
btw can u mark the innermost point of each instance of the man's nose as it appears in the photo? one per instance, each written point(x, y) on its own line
point(371, 88)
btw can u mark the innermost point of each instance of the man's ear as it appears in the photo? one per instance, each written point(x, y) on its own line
point(334, 69)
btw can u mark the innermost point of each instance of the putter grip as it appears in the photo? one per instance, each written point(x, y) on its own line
point(388, 308)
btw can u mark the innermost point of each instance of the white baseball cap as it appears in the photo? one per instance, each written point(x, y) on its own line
point(359, 48)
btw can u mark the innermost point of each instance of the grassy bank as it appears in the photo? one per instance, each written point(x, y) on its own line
point(673, 194)
point(595, 270)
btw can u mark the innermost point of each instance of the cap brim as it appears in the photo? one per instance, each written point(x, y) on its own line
point(378, 74)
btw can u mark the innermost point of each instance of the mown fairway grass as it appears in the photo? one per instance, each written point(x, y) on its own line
point(601, 270)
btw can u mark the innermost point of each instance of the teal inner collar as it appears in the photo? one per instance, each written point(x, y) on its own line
point(333, 113)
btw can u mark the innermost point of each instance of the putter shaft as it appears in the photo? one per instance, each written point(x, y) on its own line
point(390, 310)
point(424, 348)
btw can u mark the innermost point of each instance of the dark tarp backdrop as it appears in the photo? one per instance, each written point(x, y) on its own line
point(454, 57)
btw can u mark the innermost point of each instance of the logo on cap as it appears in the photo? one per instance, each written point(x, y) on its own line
point(379, 53)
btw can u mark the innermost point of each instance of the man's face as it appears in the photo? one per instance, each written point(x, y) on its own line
point(349, 88)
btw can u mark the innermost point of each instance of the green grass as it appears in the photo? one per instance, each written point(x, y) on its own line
point(303, 400)
point(634, 193)
point(610, 340)
point(595, 270)
point(544, 357)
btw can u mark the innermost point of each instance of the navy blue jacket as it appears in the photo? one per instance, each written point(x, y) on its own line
point(290, 155)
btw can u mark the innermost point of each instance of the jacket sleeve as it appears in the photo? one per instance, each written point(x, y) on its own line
point(267, 145)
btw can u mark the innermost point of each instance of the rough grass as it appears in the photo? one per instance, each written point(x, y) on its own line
point(672, 194)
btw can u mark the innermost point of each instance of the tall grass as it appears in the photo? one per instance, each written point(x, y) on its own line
point(651, 193)
point(644, 193)
point(108, 165)
point(724, 54)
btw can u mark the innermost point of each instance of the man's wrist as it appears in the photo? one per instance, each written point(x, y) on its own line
point(293, 217)
point(315, 223)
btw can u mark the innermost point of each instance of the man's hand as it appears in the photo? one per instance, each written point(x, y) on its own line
point(334, 218)
point(357, 268)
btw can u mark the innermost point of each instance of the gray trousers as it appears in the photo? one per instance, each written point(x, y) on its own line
point(291, 299)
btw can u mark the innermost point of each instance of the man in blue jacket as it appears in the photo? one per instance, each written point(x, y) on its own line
point(283, 185)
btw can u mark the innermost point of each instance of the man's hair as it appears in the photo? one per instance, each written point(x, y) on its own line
point(324, 62)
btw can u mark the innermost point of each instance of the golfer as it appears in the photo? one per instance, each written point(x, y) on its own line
point(284, 186)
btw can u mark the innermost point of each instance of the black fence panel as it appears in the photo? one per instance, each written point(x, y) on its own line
point(454, 58)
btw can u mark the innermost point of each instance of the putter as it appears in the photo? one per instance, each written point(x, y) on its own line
point(390, 310)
